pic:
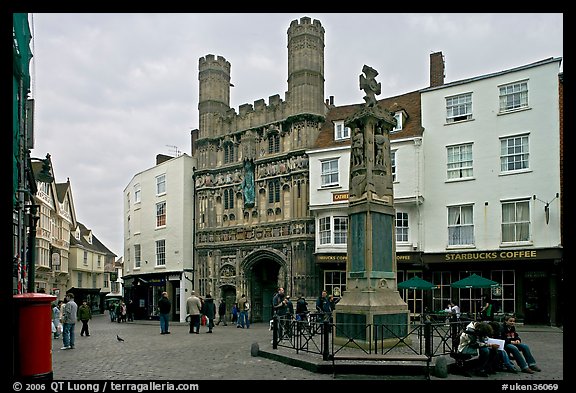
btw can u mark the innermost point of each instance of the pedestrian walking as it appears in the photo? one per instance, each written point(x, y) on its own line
point(112, 311)
point(209, 310)
point(243, 308)
point(69, 322)
point(222, 313)
point(84, 315)
point(281, 311)
point(235, 313)
point(164, 307)
point(56, 319)
point(193, 310)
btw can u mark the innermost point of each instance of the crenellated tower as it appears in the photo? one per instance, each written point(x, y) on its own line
point(305, 67)
point(214, 98)
point(254, 230)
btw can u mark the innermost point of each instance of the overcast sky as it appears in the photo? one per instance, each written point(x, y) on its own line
point(114, 90)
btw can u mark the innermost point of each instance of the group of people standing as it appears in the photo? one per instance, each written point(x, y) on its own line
point(283, 309)
point(65, 313)
point(198, 308)
point(121, 312)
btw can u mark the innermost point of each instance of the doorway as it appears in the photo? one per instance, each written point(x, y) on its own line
point(536, 302)
point(263, 284)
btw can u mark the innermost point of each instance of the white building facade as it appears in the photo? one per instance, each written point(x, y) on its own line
point(476, 190)
point(158, 236)
point(492, 186)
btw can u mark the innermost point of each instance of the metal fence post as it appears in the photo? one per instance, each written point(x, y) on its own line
point(325, 336)
point(275, 332)
point(428, 338)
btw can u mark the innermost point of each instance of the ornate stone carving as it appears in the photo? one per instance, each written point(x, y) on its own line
point(369, 85)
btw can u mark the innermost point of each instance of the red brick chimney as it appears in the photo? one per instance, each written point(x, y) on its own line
point(436, 69)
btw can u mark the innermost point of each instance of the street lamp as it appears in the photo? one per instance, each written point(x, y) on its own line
point(44, 175)
point(546, 206)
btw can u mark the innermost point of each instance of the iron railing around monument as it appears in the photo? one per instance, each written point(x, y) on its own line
point(319, 335)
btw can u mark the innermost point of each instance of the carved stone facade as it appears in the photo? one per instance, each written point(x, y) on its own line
point(254, 231)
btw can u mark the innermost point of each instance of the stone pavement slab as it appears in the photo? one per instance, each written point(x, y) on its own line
point(227, 355)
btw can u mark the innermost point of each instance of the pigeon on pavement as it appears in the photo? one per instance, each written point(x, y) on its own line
point(119, 338)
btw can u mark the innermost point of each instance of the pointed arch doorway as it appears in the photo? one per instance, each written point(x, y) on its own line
point(264, 273)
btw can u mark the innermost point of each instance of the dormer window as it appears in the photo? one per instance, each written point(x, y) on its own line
point(400, 117)
point(341, 132)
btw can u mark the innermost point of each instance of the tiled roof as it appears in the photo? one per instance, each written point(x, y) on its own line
point(412, 127)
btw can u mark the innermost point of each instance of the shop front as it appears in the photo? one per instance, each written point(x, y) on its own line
point(530, 280)
point(145, 291)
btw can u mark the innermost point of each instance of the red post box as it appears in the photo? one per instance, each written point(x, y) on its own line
point(33, 336)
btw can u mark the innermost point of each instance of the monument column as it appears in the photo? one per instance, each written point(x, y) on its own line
point(371, 296)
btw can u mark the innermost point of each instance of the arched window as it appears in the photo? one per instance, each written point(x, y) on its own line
point(229, 198)
point(273, 143)
point(229, 153)
point(274, 191)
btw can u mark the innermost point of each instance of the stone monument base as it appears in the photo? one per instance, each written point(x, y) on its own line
point(363, 315)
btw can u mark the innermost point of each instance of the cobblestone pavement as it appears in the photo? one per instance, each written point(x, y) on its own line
point(226, 355)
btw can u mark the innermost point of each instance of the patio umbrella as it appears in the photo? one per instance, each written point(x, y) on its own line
point(416, 283)
point(474, 281)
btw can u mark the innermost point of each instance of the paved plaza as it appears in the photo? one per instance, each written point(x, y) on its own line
point(227, 354)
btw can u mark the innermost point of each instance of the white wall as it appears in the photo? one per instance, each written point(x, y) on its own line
point(489, 186)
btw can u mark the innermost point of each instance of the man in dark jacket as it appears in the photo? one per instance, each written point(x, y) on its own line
point(209, 309)
point(164, 307)
point(222, 312)
point(301, 308)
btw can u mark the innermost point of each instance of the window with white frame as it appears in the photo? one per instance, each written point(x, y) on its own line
point(137, 194)
point(516, 221)
point(161, 214)
point(513, 96)
point(333, 230)
point(329, 172)
point(160, 252)
point(399, 116)
point(324, 230)
point(460, 225)
point(514, 153)
point(137, 256)
point(393, 164)
point(44, 188)
point(459, 161)
point(340, 230)
point(401, 227)
point(340, 131)
point(161, 184)
point(85, 258)
point(459, 108)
